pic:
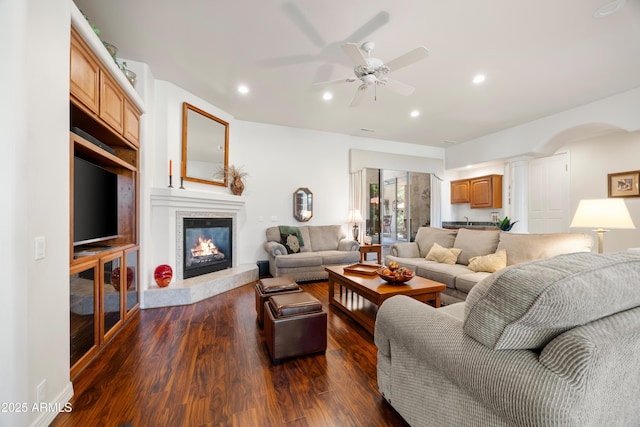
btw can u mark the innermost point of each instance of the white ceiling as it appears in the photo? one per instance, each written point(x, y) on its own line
point(540, 57)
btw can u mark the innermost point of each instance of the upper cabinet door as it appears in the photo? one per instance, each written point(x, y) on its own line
point(111, 103)
point(84, 84)
point(460, 191)
point(486, 192)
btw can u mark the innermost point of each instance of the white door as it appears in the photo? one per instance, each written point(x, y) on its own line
point(549, 194)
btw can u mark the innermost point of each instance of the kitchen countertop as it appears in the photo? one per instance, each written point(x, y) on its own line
point(478, 225)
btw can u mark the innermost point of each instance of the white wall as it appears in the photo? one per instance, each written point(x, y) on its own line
point(545, 135)
point(35, 134)
point(591, 161)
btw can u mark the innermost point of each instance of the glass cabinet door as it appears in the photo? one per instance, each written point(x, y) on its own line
point(83, 303)
point(132, 293)
point(112, 280)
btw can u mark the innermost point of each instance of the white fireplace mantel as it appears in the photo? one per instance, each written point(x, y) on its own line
point(168, 205)
point(192, 199)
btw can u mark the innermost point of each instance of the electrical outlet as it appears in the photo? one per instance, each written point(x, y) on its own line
point(41, 391)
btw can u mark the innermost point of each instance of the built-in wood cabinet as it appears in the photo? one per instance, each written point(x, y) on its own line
point(460, 191)
point(486, 192)
point(104, 275)
point(480, 192)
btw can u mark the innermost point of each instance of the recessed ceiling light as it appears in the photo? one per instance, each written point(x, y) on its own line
point(479, 78)
point(415, 113)
point(243, 89)
point(327, 96)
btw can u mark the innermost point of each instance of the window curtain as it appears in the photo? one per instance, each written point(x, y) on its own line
point(436, 201)
point(355, 200)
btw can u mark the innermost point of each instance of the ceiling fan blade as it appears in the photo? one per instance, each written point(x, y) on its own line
point(369, 27)
point(408, 58)
point(399, 87)
point(353, 51)
point(359, 95)
point(303, 24)
point(333, 82)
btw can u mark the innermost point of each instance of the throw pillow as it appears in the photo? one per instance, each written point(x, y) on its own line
point(489, 263)
point(444, 255)
point(291, 238)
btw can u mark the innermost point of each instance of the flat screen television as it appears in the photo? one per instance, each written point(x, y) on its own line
point(95, 203)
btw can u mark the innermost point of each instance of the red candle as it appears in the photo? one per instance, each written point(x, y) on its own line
point(170, 167)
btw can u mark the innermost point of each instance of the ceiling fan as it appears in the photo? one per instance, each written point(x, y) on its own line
point(373, 72)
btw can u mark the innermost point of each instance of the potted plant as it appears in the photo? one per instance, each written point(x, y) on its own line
point(506, 224)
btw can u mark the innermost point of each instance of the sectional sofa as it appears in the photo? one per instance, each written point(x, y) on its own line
point(553, 342)
point(462, 258)
point(303, 252)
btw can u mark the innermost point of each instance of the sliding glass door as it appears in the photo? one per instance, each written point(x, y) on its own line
point(398, 204)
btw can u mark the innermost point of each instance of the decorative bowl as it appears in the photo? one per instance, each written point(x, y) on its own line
point(394, 278)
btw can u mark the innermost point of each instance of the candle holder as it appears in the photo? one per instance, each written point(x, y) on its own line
point(170, 183)
point(182, 183)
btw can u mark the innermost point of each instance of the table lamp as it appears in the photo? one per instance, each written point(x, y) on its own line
point(601, 214)
point(355, 217)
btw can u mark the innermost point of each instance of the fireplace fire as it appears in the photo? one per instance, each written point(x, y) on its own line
point(208, 244)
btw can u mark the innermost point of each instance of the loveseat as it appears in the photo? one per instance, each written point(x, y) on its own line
point(451, 254)
point(303, 252)
point(553, 342)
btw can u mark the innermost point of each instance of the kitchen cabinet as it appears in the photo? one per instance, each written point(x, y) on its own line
point(485, 192)
point(460, 191)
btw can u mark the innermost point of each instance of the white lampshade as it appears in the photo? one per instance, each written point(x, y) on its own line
point(601, 214)
point(355, 216)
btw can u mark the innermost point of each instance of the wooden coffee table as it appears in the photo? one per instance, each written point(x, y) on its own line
point(359, 296)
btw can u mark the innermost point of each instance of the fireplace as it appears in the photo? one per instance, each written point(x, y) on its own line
point(207, 245)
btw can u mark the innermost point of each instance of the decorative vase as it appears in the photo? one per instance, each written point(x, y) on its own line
point(237, 186)
point(115, 278)
point(163, 275)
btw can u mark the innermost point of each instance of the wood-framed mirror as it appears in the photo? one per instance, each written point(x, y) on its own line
point(205, 146)
point(303, 204)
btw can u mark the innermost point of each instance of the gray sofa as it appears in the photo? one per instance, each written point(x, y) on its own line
point(322, 245)
point(553, 342)
point(458, 278)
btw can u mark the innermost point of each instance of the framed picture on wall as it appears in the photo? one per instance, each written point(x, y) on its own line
point(624, 184)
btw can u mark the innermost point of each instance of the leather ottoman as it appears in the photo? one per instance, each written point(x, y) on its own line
point(294, 324)
point(269, 287)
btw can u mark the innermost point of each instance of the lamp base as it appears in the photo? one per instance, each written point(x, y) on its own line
point(600, 232)
point(356, 231)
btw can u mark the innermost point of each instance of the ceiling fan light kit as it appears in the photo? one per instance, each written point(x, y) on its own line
point(373, 71)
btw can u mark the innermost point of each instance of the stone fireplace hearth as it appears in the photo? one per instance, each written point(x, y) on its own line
point(169, 208)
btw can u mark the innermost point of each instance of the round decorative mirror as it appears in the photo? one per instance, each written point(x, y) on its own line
point(303, 204)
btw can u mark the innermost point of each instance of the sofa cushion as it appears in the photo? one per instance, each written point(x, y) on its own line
point(489, 263)
point(465, 282)
point(527, 305)
point(339, 257)
point(443, 273)
point(427, 236)
point(325, 237)
point(444, 255)
point(475, 243)
point(299, 260)
point(529, 247)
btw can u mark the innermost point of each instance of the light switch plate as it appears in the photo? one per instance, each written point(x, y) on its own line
point(40, 247)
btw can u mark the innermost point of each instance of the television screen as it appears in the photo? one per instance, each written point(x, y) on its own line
point(95, 203)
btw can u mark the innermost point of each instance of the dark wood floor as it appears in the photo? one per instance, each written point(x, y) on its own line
point(206, 364)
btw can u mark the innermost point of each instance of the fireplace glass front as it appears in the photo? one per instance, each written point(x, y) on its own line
point(207, 245)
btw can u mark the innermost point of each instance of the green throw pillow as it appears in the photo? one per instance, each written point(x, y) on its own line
point(291, 238)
